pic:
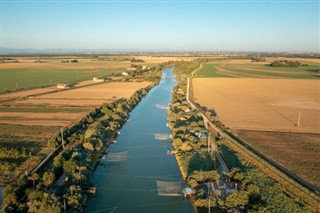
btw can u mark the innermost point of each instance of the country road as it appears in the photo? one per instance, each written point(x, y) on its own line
point(206, 121)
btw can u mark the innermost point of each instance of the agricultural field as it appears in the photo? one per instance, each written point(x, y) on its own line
point(247, 69)
point(161, 59)
point(33, 92)
point(287, 149)
point(265, 113)
point(262, 104)
point(86, 96)
point(26, 124)
point(41, 76)
point(31, 72)
point(212, 71)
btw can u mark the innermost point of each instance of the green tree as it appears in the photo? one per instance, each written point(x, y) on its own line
point(34, 177)
point(88, 146)
point(69, 166)
point(202, 176)
point(48, 178)
point(236, 199)
point(50, 204)
point(201, 161)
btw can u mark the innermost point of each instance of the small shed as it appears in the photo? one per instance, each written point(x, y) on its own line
point(63, 86)
point(95, 79)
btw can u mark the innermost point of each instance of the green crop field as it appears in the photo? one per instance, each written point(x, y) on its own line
point(17, 78)
point(258, 70)
point(209, 70)
point(303, 72)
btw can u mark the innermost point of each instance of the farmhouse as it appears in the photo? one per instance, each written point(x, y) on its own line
point(63, 86)
point(124, 74)
point(200, 135)
point(95, 79)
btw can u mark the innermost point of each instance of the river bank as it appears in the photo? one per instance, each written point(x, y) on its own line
point(131, 175)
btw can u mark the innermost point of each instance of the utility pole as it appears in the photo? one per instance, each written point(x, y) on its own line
point(62, 141)
point(209, 142)
point(64, 205)
point(209, 209)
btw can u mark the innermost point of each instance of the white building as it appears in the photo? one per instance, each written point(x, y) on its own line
point(63, 86)
point(124, 73)
point(95, 79)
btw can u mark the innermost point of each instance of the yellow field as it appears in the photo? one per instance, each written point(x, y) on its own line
point(262, 104)
point(265, 114)
point(90, 96)
point(158, 59)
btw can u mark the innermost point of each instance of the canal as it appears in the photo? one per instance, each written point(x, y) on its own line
point(127, 179)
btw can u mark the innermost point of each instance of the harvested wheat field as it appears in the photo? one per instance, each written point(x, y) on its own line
point(161, 59)
point(88, 96)
point(264, 113)
point(262, 104)
point(44, 119)
point(19, 94)
point(298, 152)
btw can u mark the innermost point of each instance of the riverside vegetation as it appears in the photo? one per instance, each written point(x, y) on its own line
point(65, 181)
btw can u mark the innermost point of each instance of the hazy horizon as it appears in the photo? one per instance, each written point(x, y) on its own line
point(210, 26)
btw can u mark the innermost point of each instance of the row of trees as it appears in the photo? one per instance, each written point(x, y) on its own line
point(197, 164)
point(286, 63)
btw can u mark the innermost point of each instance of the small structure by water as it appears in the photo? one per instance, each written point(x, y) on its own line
point(169, 188)
point(117, 156)
point(161, 106)
point(187, 191)
point(91, 190)
point(161, 136)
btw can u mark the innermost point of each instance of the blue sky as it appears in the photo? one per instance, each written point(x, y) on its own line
point(157, 25)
